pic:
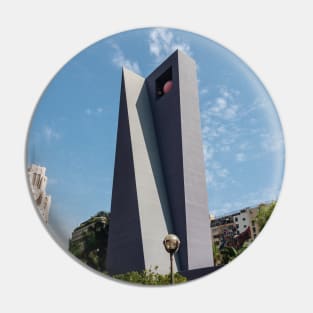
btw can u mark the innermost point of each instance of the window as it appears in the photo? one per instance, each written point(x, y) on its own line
point(237, 225)
point(253, 222)
point(243, 218)
point(244, 226)
point(164, 83)
point(236, 219)
point(254, 230)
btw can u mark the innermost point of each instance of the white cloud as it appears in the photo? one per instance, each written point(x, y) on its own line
point(224, 209)
point(225, 106)
point(96, 112)
point(271, 142)
point(209, 177)
point(221, 130)
point(240, 157)
point(208, 152)
point(162, 43)
point(232, 132)
point(120, 60)
point(50, 134)
point(203, 91)
point(215, 172)
point(225, 148)
point(219, 134)
point(260, 103)
point(223, 172)
point(243, 146)
point(221, 104)
point(228, 93)
point(231, 112)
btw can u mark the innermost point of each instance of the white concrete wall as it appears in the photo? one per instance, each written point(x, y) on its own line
point(200, 253)
point(243, 220)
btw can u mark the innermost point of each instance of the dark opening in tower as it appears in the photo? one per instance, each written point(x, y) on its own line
point(164, 83)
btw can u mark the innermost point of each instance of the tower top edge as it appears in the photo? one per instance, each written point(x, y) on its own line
point(127, 71)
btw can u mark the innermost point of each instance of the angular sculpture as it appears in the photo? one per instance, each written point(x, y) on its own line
point(159, 175)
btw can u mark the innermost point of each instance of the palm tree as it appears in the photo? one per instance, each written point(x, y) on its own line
point(228, 254)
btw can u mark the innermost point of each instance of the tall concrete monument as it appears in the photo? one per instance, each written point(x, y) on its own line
point(159, 175)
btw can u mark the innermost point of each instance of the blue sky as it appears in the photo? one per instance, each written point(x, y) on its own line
point(73, 130)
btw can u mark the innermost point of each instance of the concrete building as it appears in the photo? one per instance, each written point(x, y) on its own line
point(223, 231)
point(38, 182)
point(100, 220)
point(247, 218)
point(226, 229)
point(90, 239)
point(159, 175)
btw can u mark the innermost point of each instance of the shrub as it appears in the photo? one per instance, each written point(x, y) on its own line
point(149, 277)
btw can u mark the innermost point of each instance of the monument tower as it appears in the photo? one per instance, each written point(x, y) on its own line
point(159, 174)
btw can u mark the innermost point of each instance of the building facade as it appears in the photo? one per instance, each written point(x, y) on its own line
point(95, 222)
point(223, 231)
point(230, 229)
point(90, 239)
point(38, 182)
point(159, 174)
point(247, 218)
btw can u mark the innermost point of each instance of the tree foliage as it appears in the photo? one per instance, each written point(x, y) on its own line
point(226, 254)
point(217, 256)
point(149, 277)
point(264, 214)
point(93, 248)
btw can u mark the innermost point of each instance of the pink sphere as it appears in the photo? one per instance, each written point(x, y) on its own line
point(168, 86)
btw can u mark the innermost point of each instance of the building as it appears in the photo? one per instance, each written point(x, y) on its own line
point(231, 230)
point(38, 182)
point(89, 241)
point(247, 218)
point(223, 231)
point(94, 223)
point(159, 174)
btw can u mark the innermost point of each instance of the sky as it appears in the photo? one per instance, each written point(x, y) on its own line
point(73, 129)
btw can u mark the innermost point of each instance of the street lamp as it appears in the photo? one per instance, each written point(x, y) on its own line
point(171, 243)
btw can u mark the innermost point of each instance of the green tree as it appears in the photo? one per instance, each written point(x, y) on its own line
point(228, 254)
point(264, 214)
point(244, 246)
point(217, 256)
point(149, 277)
point(92, 248)
point(77, 249)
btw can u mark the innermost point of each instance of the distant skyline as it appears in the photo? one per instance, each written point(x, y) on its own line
point(73, 131)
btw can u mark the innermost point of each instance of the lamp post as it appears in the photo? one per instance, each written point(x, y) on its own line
point(171, 243)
